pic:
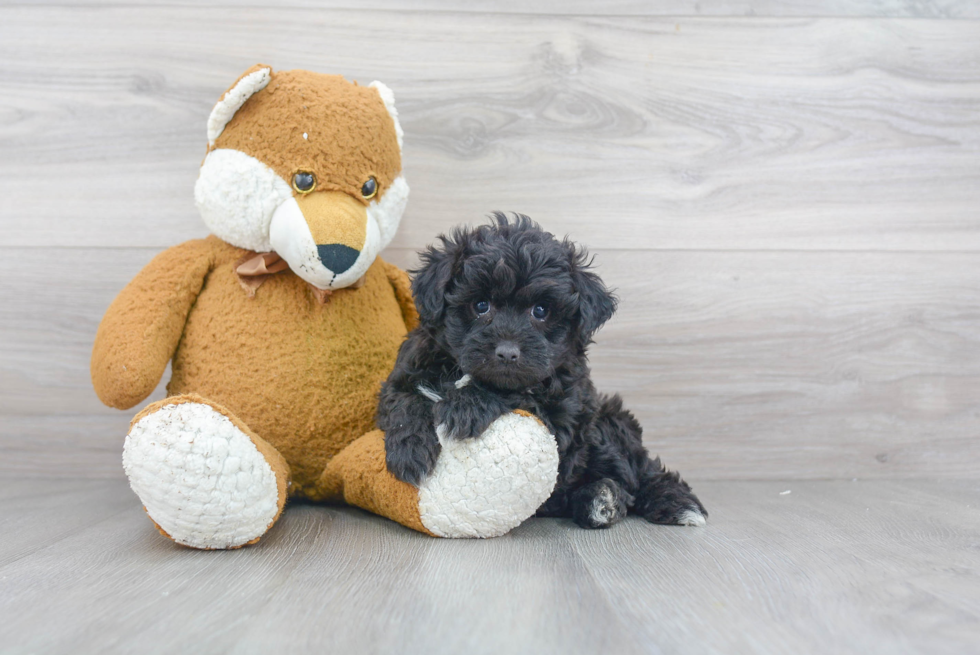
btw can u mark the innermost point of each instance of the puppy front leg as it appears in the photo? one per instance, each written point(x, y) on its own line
point(411, 444)
point(467, 412)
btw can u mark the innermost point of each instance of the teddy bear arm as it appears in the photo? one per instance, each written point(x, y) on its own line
point(142, 327)
point(402, 286)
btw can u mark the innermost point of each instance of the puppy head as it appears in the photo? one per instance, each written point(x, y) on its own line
point(509, 301)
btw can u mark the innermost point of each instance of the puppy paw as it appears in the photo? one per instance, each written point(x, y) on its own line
point(600, 504)
point(409, 457)
point(467, 412)
point(666, 499)
point(678, 507)
point(691, 515)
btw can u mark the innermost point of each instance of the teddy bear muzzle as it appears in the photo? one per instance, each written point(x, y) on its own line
point(328, 238)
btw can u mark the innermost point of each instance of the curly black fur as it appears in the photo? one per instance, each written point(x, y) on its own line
point(515, 309)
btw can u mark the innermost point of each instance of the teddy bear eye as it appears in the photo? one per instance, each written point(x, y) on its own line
point(304, 182)
point(540, 312)
point(481, 307)
point(370, 188)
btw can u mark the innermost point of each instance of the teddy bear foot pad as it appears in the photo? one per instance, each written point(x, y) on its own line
point(487, 486)
point(200, 477)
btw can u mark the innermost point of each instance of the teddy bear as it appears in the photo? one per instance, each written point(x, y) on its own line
point(280, 328)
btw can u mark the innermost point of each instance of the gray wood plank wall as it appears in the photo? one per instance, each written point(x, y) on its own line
point(787, 198)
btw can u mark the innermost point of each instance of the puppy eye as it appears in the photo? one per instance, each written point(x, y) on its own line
point(370, 188)
point(304, 182)
point(540, 312)
point(481, 307)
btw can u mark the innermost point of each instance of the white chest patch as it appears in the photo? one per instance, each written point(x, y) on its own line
point(487, 486)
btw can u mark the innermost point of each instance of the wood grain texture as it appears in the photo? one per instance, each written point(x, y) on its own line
point(876, 567)
point(36, 514)
point(685, 8)
point(640, 132)
point(740, 365)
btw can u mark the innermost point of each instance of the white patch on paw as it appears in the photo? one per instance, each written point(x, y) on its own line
point(200, 478)
point(603, 507)
point(487, 486)
point(691, 517)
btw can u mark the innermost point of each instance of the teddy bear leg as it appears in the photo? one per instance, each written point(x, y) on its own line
point(481, 487)
point(204, 478)
point(358, 476)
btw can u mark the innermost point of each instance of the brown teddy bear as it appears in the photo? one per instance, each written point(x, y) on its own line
point(281, 326)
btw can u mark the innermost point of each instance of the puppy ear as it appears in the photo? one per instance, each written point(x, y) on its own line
point(430, 281)
point(596, 303)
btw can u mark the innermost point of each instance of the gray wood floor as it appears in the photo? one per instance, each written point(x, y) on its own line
point(832, 567)
point(786, 195)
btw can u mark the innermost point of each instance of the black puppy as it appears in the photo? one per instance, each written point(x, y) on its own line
point(514, 309)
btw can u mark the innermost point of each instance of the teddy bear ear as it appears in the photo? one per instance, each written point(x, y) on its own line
point(389, 99)
point(252, 81)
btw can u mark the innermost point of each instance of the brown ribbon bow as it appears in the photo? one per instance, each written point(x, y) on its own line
point(256, 268)
point(253, 270)
point(261, 264)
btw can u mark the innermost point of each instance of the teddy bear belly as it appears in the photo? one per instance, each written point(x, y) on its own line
point(302, 375)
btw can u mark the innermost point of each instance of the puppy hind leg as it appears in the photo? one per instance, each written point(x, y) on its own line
point(665, 498)
point(661, 495)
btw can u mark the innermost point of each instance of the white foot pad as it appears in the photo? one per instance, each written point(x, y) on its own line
point(200, 478)
point(487, 486)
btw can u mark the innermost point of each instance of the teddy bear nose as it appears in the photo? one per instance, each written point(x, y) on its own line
point(337, 257)
point(508, 352)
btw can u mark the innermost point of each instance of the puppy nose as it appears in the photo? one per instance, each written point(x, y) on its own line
point(507, 352)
